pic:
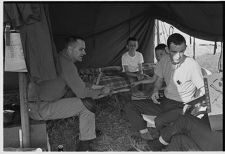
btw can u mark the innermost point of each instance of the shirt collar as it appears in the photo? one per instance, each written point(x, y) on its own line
point(64, 54)
point(176, 66)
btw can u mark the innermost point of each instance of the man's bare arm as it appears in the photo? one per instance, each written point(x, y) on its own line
point(146, 81)
point(157, 87)
point(158, 84)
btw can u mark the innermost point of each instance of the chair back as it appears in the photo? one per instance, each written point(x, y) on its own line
point(205, 71)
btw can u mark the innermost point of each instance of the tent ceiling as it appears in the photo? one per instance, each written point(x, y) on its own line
point(90, 18)
point(107, 25)
point(201, 20)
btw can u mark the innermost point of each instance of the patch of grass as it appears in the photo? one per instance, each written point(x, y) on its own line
point(205, 57)
point(109, 119)
point(209, 61)
point(63, 132)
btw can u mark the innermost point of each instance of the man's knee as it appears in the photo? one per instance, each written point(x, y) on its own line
point(158, 123)
point(90, 104)
point(167, 117)
point(178, 138)
point(185, 142)
point(40, 111)
point(33, 111)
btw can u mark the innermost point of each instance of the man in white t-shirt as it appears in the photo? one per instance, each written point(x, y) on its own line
point(184, 81)
point(132, 61)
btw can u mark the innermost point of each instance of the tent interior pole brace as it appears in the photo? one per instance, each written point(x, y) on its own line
point(194, 47)
point(24, 110)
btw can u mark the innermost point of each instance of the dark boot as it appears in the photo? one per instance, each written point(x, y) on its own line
point(98, 132)
point(85, 146)
point(90, 104)
point(156, 145)
point(154, 132)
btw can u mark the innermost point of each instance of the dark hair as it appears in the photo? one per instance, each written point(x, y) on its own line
point(175, 38)
point(131, 39)
point(161, 46)
point(71, 39)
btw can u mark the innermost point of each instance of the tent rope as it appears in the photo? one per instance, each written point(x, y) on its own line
point(163, 31)
point(220, 59)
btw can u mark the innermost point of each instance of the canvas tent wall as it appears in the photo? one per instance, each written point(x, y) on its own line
point(107, 25)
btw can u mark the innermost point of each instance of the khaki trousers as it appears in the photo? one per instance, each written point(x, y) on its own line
point(65, 108)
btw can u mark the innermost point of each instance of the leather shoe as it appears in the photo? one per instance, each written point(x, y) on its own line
point(85, 146)
point(155, 145)
point(90, 104)
point(154, 132)
point(98, 132)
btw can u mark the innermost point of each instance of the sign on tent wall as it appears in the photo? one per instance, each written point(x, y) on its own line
point(14, 56)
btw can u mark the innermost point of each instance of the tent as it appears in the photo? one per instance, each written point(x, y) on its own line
point(107, 25)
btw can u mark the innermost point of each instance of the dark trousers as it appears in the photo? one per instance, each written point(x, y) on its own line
point(198, 134)
point(182, 143)
point(135, 109)
point(166, 118)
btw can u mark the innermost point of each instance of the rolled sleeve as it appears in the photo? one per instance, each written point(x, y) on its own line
point(196, 75)
point(141, 58)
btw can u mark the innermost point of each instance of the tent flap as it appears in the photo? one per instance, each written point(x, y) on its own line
point(106, 25)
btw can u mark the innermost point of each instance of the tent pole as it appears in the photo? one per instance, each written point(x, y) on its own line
point(220, 64)
point(190, 39)
point(163, 31)
point(215, 47)
point(23, 110)
point(194, 47)
point(157, 27)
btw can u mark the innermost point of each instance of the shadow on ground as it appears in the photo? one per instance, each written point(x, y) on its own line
point(110, 119)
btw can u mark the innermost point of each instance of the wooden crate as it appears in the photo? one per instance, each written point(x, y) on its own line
point(38, 135)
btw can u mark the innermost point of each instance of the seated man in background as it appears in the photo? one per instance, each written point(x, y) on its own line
point(183, 78)
point(132, 62)
point(54, 101)
point(160, 51)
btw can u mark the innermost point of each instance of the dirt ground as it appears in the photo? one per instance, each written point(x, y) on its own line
point(110, 119)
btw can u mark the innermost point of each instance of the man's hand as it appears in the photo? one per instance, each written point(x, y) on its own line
point(185, 108)
point(154, 97)
point(106, 90)
point(102, 91)
point(133, 84)
point(142, 76)
point(199, 92)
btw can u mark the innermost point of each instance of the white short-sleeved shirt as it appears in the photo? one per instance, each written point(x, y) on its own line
point(132, 62)
point(182, 80)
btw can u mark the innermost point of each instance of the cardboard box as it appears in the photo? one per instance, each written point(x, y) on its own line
point(214, 100)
